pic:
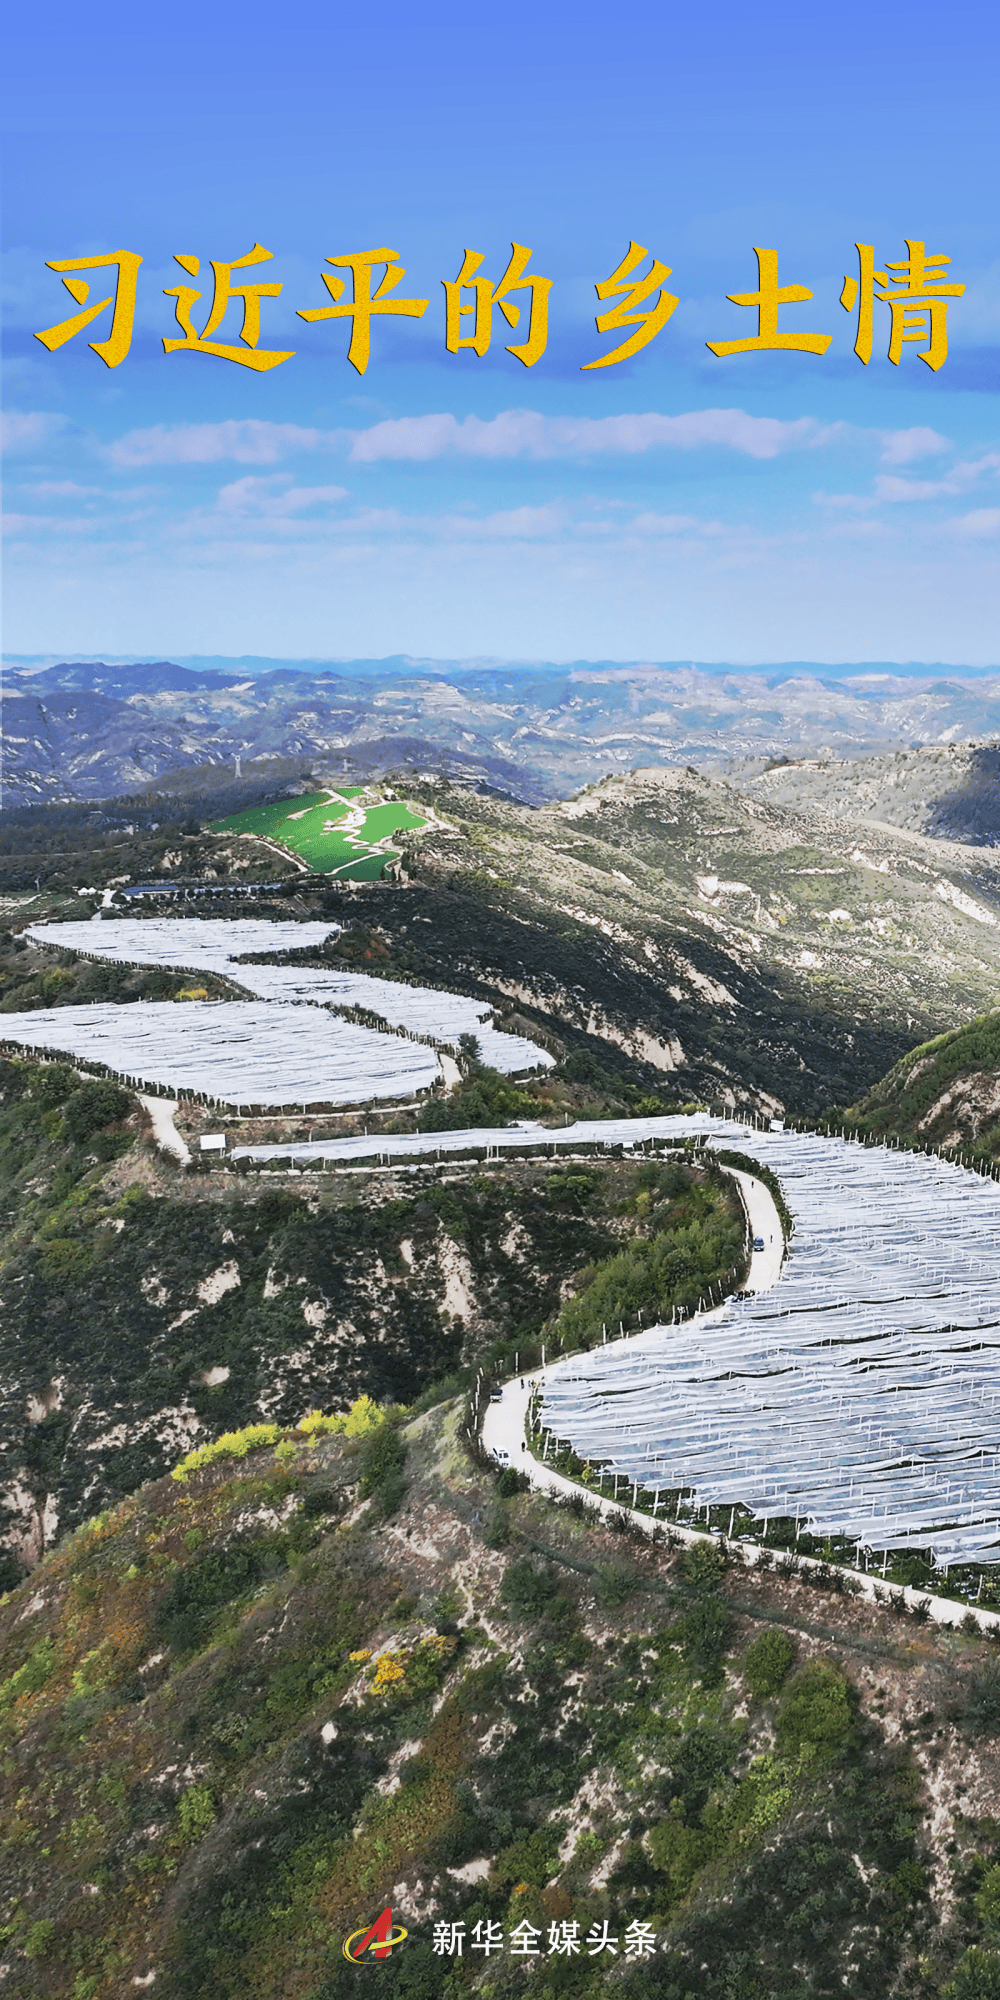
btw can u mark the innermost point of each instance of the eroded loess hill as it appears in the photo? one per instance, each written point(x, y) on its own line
point(245, 1711)
point(735, 948)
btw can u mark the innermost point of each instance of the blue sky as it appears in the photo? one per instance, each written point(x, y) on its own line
point(751, 508)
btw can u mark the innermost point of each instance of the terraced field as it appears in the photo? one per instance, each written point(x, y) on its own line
point(332, 831)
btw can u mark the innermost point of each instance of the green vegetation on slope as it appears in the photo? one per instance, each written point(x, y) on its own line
point(237, 1720)
point(946, 1093)
point(142, 1307)
point(690, 1237)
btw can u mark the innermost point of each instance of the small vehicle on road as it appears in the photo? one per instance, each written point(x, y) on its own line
point(758, 1242)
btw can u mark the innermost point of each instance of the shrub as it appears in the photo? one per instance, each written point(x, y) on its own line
point(987, 1900)
point(363, 1417)
point(195, 1597)
point(703, 1564)
point(429, 1661)
point(977, 1977)
point(38, 1939)
point(496, 1533)
point(704, 1634)
point(531, 1857)
point(615, 1583)
point(526, 1590)
point(979, 1711)
point(29, 1678)
point(195, 1813)
point(678, 1851)
point(701, 1757)
point(767, 1662)
point(383, 1456)
point(52, 1083)
point(93, 1107)
point(512, 1481)
point(232, 1444)
point(814, 1716)
point(390, 1670)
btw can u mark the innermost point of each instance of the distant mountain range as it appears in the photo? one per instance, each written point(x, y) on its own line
point(81, 730)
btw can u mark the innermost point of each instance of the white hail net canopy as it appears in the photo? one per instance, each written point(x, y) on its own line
point(234, 1052)
point(372, 1064)
point(861, 1396)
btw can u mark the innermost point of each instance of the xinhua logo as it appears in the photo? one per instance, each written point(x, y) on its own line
point(378, 1939)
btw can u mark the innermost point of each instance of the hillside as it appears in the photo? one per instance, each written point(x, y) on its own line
point(944, 1093)
point(739, 947)
point(245, 1711)
point(949, 791)
point(145, 1310)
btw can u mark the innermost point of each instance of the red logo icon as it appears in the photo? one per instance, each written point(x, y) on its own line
point(378, 1939)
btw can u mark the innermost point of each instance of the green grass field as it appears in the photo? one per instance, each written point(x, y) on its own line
point(329, 831)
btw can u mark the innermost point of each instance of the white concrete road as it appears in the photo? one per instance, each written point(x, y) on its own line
point(161, 1114)
point(765, 1224)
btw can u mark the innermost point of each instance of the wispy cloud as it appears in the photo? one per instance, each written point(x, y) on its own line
point(855, 503)
point(512, 434)
point(984, 521)
point(903, 447)
point(888, 487)
point(673, 524)
point(247, 441)
point(529, 434)
point(29, 430)
point(515, 524)
point(274, 497)
point(64, 489)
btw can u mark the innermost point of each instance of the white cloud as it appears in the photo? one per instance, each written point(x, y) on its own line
point(249, 441)
point(526, 433)
point(977, 525)
point(507, 524)
point(28, 430)
point(903, 447)
point(889, 488)
point(673, 524)
point(861, 526)
point(859, 502)
point(274, 496)
point(63, 489)
point(970, 468)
